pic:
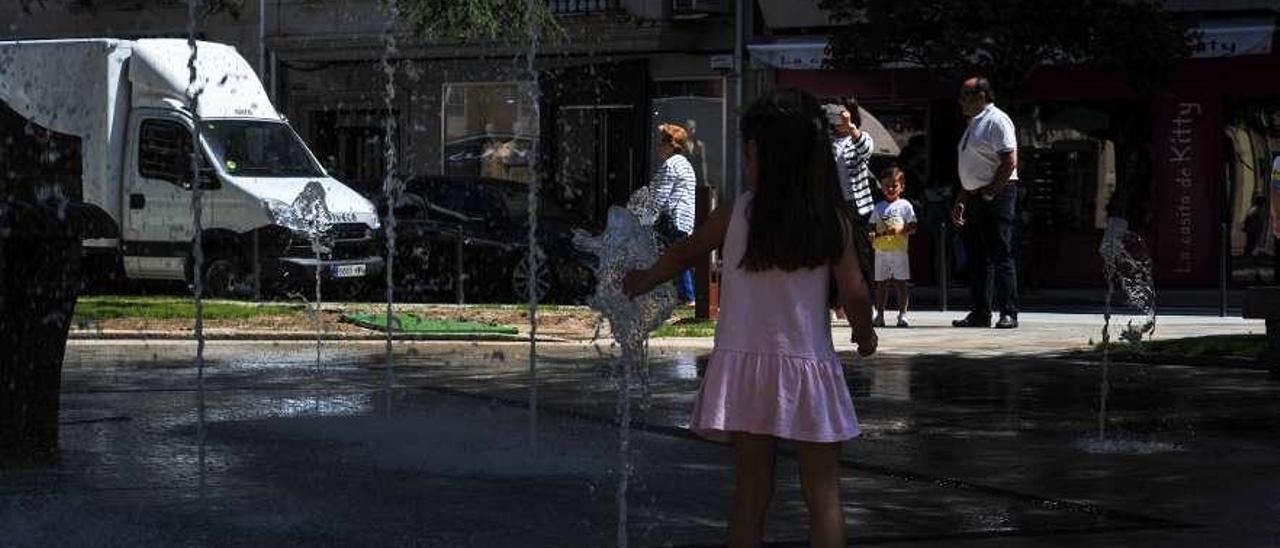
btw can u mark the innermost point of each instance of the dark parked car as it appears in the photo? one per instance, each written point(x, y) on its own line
point(489, 155)
point(479, 227)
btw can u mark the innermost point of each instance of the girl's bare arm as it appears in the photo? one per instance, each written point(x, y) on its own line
point(705, 238)
point(854, 296)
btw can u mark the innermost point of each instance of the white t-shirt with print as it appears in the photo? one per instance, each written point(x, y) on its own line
point(896, 214)
point(990, 133)
point(1275, 173)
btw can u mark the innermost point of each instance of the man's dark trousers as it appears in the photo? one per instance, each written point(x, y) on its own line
point(988, 237)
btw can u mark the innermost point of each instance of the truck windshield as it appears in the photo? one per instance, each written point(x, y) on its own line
point(258, 148)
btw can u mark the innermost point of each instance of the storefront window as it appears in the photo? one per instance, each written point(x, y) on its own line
point(1066, 175)
point(698, 107)
point(1067, 166)
point(351, 144)
point(490, 130)
point(1253, 143)
point(908, 127)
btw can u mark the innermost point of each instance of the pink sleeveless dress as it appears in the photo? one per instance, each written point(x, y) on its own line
point(774, 370)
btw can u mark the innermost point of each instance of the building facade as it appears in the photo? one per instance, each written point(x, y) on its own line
point(581, 116)
point(336, 68)
point(372, 99)
point(1205, 154)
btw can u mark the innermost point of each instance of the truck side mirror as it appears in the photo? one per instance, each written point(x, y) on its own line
point(208, 178)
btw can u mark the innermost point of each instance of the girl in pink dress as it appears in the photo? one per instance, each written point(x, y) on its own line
point(774, 373)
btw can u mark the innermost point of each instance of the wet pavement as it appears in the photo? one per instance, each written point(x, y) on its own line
point(959, 449)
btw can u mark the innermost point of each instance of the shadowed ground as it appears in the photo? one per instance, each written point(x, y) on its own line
point(957, 450)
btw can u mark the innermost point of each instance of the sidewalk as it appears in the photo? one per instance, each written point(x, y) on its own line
point(1039, 333)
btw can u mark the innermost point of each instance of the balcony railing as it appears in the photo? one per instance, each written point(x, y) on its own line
point(578, 7)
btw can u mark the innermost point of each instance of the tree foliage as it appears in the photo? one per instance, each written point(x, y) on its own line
point(480, 20)
point(234, 8)
point(462, 20)
point(1009, 40)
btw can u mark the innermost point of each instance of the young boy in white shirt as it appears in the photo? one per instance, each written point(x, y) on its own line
point(893, 220)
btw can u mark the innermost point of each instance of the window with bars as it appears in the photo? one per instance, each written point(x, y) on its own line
point(164, 151)
point(583, 6)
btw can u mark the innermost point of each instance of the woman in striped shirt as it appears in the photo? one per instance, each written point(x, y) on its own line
point(852, 148)
point(673, 191)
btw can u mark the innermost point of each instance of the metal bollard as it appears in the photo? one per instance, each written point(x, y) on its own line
point(458, 282)
point(943, 264)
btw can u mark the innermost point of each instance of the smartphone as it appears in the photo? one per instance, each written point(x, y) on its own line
point(835, 114)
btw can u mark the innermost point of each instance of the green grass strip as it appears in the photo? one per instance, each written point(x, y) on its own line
point(159, 308)
point(687, 327)
point(1233, 346)
point(412, 323)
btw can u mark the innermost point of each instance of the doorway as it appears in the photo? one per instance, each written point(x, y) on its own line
point(595, 162)
point(595, 136)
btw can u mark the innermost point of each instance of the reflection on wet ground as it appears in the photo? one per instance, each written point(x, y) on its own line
point(955, 451)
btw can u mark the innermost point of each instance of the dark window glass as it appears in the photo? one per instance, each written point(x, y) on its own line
point(164, 151)
point(490, 130)
point(256, 148)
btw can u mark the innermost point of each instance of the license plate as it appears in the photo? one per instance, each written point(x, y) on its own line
point(349, 271)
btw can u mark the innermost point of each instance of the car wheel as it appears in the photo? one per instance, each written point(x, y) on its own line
point(520, 277)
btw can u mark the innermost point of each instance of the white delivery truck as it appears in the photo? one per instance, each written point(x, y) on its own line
point(125, 105)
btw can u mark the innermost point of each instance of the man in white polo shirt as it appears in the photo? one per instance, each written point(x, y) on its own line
point(984, 208)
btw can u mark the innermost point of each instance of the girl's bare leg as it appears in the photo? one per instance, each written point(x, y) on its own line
point(753, 460)
point(820, 480)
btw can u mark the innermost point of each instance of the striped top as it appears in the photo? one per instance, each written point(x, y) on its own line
point(855, 176)
point(673, 187)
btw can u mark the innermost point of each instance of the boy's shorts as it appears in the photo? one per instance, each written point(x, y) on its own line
point(892, 265)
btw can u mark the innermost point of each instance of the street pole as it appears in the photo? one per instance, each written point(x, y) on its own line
point(262, 39)
point(262, 74)
point(457, 286)
point(1224, 273)
point(943, 265)
point(734, 155)
point(1224, 245)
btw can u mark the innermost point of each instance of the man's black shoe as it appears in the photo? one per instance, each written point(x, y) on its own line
point(1007, 322)
point(972, 321)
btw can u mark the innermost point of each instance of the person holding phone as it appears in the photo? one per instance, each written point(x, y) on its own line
point(852, 148)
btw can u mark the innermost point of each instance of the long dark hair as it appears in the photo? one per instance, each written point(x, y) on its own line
point(797, 218)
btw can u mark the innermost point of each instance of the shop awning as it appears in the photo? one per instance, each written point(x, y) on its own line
point(1224, 37)
point(808, 53)
point(1235, 36)
point(811, 54)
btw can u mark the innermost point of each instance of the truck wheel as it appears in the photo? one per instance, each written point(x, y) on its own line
point(225, 278)
point(104, 272)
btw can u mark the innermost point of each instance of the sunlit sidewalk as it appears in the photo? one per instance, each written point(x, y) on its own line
point(1038, 332)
